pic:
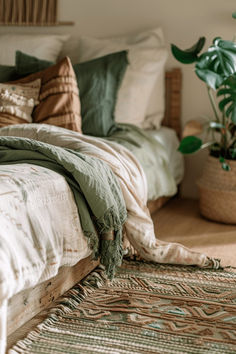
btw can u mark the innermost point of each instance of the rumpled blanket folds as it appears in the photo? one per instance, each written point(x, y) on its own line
point(152, 156)
point(120, 176)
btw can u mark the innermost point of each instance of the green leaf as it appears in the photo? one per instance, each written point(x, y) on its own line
point(190, 55)
point(221, 159)
point(226, 166)
point(224, 102)
point(211, 78)
point(217, 63)
point(233, 114)
point(232, 152)
point(190, 144)
point(234, 14)
point(228, 102)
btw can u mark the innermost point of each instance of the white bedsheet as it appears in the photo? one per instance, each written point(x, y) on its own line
point(168, 138)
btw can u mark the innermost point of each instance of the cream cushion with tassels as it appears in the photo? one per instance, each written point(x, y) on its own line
point(17, 102)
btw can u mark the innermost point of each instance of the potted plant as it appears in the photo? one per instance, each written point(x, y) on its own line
point(217, 68)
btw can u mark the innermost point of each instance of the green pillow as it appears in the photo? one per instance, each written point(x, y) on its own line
point(27, 64)
point(8, 73)
point(98, 81)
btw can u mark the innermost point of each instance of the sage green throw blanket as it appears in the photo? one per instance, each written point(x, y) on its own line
point(96, 191)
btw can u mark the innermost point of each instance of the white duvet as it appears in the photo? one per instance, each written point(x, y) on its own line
point(40, 229)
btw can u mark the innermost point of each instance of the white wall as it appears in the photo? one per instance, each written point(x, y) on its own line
point(183, 21)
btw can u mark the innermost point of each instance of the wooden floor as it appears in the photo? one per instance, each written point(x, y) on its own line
point(180, 221)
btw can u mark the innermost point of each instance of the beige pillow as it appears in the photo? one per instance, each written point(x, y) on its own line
point(59, 102)
point(17, 102)
point(43, 46)
point(141, 97)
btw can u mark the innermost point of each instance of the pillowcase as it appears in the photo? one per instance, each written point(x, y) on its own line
point(141, 98)
point(59, 102)
point(98, 81)
point(8, 73)
point(45, 47)
point(17, 102)
point(145, 68)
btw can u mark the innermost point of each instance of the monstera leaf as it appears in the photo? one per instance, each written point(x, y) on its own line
point(188, 56)
point(228, 103)
point(217, 63)
point(234, 14)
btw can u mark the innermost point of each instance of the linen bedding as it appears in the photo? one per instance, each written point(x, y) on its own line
point(33, 239)
point(156, 151)
point(168, 138)
point(64, 195)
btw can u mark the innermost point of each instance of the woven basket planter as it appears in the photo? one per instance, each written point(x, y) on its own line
point(217, 191)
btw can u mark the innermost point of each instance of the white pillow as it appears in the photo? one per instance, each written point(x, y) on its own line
point(45, 47)
point(141, 95)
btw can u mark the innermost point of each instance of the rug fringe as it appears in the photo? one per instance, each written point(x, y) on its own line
point(214, 263)
point(64, 305)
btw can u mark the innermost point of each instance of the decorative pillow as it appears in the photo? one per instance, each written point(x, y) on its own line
point(17, 102)
point(8, 73)
point(45, 47)
point(59, 102)
point(98, 82)
point(27, 64)
point(141, 95)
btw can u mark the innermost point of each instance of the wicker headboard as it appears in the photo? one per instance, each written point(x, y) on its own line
point(173, 83)
point(172, 119)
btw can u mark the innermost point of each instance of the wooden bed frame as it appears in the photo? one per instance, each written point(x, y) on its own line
point(28, 303)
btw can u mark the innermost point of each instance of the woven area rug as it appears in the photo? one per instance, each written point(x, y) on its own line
point(147, 308)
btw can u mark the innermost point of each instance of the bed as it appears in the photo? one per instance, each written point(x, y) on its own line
point(23, 301)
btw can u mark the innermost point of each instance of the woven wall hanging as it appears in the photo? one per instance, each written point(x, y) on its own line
point(29, 13)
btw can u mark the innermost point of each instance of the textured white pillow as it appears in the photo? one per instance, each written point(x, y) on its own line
point(45, 47)
point(18, 101)
point(141, 95)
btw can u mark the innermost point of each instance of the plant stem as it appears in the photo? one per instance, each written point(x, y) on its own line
point(213, 104)
point(209, 143)
point(224, 134)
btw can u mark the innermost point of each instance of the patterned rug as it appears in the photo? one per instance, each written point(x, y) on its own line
point(147, 308)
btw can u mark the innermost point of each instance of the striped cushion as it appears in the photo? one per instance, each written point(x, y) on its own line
point(59, 102)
